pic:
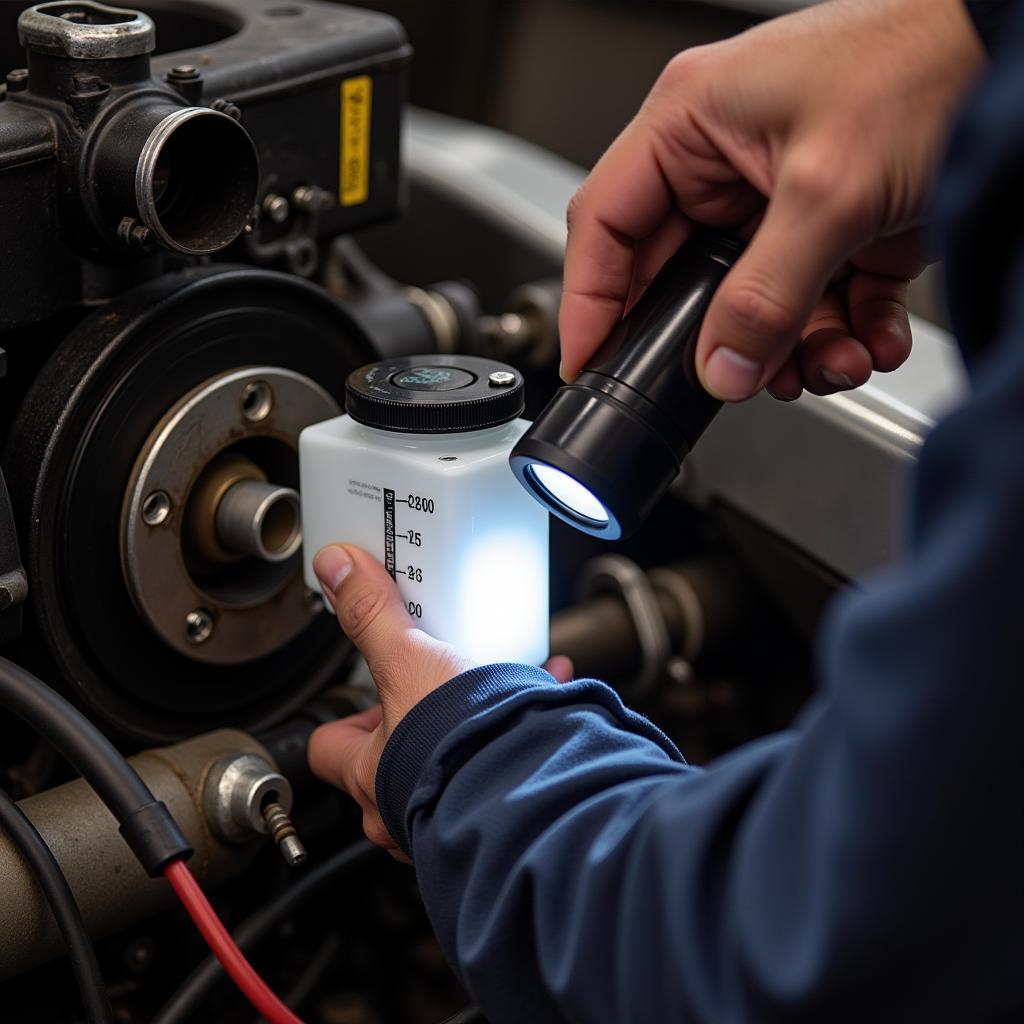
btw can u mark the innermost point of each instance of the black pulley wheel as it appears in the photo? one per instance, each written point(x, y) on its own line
point(75, 448)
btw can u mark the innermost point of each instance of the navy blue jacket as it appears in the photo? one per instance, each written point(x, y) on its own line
point(867, 865)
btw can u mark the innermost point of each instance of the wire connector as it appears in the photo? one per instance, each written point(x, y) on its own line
point(154, 837)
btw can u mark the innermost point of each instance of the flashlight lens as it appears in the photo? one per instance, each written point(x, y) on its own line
point(569, 494)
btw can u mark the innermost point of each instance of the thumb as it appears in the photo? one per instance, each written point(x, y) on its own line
point(756, 317)
point(366, 600)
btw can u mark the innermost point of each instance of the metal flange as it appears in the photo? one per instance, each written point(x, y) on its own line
point(246, 610)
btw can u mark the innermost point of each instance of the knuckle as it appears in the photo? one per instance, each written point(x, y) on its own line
point(684, 67)
point(359, 614)
point(754, 307)
point(819, 180)
point(811, 171)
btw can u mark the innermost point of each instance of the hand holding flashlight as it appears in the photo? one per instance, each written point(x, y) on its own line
point(761, 134)
point(406, 665)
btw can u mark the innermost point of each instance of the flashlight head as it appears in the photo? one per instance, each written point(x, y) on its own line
point(607, 446)
point(594, 463)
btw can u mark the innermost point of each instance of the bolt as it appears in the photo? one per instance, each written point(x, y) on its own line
point(227, 107)
point(311, 198)
point(182, 73)
point(132, 233)
point(502, 379)
point(282, 831)
point(198, 626)
point(276, 207)
point(156, 508)
point(257, 401)
point(17, 80)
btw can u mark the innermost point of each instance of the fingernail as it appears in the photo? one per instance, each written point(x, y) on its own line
point(731, 375)
point(836, 379)
point(565, 376)
point(331, 565)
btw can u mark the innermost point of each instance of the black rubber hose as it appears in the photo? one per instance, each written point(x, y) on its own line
point(91, 753)
point(251, 932)
point(50, 879)
point(145, 822)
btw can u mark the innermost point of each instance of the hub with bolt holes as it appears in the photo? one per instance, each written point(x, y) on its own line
point(209, 539)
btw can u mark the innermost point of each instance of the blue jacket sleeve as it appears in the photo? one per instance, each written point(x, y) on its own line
point(990, 17)
point(865, 865)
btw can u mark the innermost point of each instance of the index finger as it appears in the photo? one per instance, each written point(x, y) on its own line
point(622, 202)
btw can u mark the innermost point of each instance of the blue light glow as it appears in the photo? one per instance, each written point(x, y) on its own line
point(569, 493)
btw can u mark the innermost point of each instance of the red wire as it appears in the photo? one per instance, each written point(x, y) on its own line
point(217, 937)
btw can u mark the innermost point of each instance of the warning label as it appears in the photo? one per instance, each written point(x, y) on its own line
point(354, 169)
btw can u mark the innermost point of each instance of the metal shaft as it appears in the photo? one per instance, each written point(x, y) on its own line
point(111, 888)
point(261, 519)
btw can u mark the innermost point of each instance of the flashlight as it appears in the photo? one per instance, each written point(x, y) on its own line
point(607, 446)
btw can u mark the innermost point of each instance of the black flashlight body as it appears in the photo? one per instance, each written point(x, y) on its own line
point(623, 427)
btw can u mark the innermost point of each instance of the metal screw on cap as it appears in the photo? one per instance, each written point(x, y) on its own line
point(198, 626)
point(502, 379)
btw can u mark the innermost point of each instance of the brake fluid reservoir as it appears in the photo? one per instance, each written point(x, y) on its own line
point(417, 474)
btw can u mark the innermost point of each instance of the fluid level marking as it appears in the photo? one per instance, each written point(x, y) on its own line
point(389, 531)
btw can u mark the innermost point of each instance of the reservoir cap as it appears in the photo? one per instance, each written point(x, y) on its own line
point(434, 394)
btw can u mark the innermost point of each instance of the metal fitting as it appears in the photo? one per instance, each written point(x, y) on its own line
point(86, 30)
point(236, 792)
point(312, 198)
point(260, 519)
point(244, 797)
point(277, 208)
point(282, 831)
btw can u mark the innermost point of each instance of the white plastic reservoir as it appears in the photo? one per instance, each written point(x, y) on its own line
point(417, 474)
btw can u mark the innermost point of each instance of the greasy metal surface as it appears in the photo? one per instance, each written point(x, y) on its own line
point(108, 32)
point(829, 475)
point(111, 888)
point(250, 621)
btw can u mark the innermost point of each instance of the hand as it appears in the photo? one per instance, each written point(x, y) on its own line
point(815, 135)
point(405, 663)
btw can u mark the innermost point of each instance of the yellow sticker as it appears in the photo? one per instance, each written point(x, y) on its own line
point(354, 167)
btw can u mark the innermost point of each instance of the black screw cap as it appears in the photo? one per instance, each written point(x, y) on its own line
point(434, 394)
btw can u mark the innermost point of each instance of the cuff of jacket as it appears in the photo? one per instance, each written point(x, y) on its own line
point(476, 700)
point(417, 736)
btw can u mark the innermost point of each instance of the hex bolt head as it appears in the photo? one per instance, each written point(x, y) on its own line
point(502, 379)
point(156, 508)
point(276, 207)
point(198, 626)
point(227, 107)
